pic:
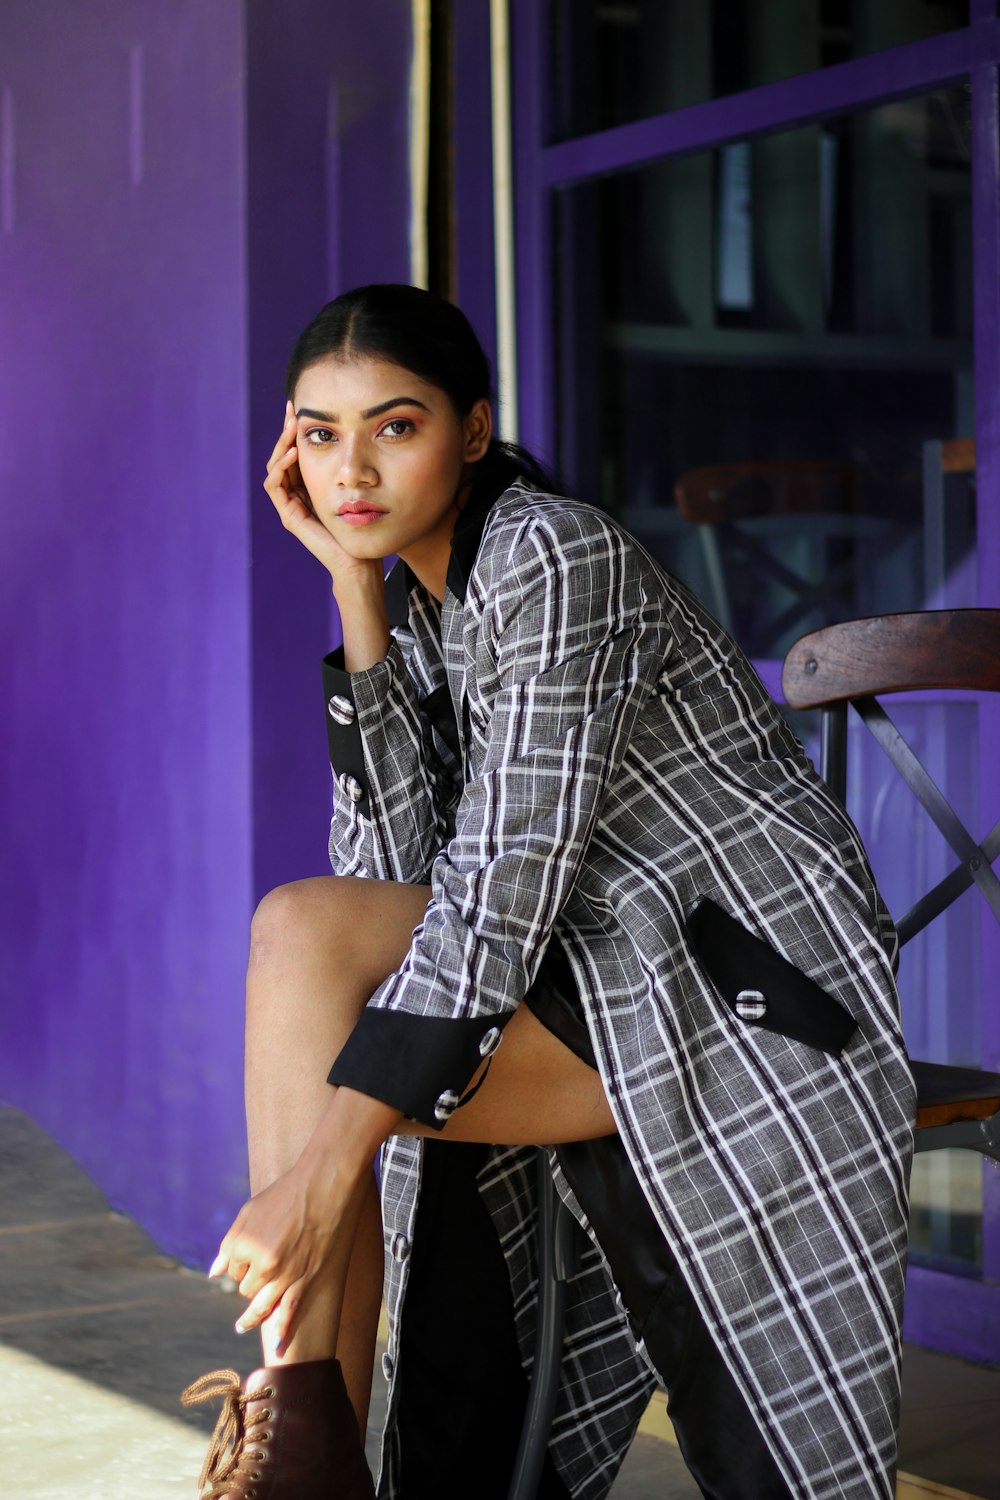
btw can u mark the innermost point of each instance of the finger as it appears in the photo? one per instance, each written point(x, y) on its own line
point(260, 1308)
point(277, 471)
point(302, 494)
point(285, 1314)
point(286, 436)
point(229, 1265)
point(279, 450)
point(287, 493)
point(255, 1278)
point(227, 1247)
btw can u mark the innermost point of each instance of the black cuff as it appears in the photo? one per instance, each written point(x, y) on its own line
point(343, 733)
point(418, 1064)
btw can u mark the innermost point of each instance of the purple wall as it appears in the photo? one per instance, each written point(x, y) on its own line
point(162, 755)
point(328, 208)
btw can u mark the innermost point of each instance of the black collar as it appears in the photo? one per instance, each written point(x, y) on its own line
point(465, 542)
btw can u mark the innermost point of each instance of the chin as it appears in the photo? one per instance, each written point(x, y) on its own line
point(364, 549)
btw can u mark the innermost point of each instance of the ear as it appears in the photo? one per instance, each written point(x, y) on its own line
point(478, 430)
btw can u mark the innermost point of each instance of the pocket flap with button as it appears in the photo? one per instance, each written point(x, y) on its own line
point(762, 987)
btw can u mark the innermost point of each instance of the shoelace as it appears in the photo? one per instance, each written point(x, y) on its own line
point(231, 1435)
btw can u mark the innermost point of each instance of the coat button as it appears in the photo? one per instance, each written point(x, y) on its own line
point(341, 709)
point(352, 787)
point(490, 1041)
point(400, 1248)
point(751, 1005)
point(387, 1367)
point(446, 1103)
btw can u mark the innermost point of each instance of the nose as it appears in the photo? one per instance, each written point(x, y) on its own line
point(355, 465)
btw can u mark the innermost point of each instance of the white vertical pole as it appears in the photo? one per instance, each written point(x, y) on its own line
point(420, 137)
point(503, 219)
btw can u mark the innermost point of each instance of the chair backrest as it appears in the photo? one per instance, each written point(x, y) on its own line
point(858, 661)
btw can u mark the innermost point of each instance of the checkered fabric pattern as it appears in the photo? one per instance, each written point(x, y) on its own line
point(617, 760)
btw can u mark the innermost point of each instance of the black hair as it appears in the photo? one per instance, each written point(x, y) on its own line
point(432, 338)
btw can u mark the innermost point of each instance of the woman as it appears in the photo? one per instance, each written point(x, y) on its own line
point(589, 894)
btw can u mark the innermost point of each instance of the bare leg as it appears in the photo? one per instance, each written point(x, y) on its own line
point(538, 1093)
point(319, 949)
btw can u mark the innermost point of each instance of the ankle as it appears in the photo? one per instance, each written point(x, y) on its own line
point(300, 1349)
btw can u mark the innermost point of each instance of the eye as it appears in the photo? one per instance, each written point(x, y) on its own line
point(398, 427)
point(318, 437)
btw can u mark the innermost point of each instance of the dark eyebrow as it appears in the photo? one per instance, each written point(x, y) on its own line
point(376, 411)
point(373, 411)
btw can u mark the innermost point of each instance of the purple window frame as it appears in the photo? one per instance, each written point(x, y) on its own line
point(972, 1326)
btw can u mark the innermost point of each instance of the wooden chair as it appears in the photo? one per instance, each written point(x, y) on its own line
point(853, 664)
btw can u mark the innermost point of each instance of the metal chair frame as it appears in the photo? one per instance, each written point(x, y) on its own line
point(852, 665)
point(557, 1263)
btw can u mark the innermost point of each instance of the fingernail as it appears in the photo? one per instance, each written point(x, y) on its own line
point(217, 1264)
point(241, 1329)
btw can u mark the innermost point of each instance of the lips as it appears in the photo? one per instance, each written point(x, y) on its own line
point(358, 508)
point(359, 512)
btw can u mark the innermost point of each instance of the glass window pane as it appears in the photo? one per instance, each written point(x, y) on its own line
point(946, 1209)
point(766, 357)
point(619, 60)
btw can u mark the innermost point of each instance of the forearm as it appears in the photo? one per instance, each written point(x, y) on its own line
point(342, 1148)
point(363, 618)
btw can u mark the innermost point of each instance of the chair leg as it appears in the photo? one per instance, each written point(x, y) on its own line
point(555, 1266)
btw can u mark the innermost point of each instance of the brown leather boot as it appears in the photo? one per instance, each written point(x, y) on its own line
point(290, 1433)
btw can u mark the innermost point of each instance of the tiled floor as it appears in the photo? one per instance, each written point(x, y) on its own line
point(99, 1333)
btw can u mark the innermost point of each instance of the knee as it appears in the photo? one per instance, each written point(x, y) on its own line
point(284, 919)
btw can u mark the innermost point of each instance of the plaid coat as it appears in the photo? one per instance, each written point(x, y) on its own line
point(571, 745)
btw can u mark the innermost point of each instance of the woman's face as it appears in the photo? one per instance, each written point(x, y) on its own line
point(384, 456)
